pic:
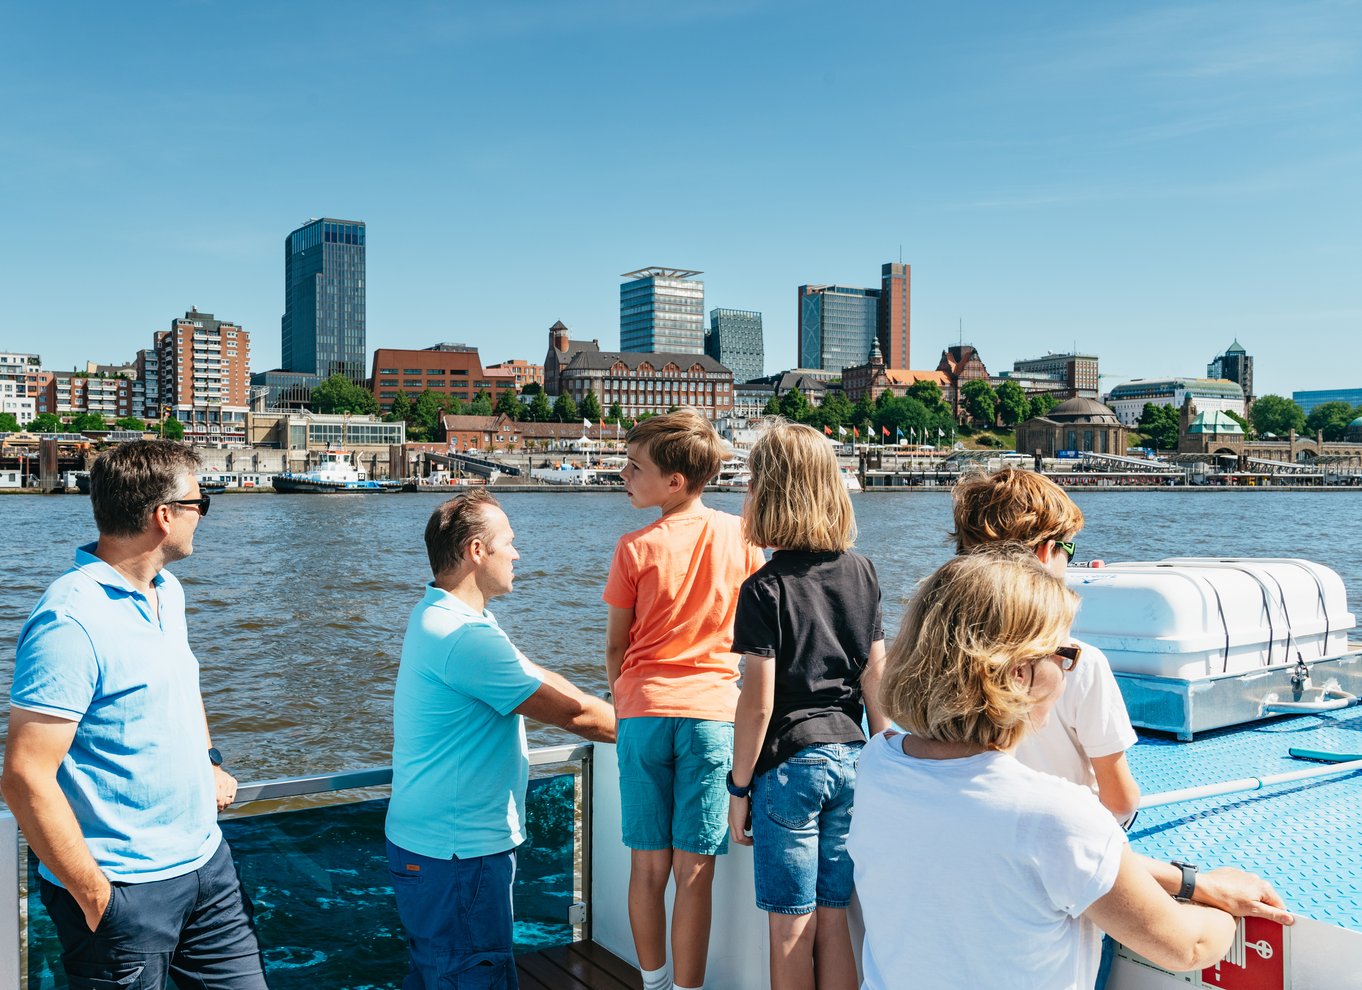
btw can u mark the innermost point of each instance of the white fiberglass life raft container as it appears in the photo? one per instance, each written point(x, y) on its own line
point(1199, 643)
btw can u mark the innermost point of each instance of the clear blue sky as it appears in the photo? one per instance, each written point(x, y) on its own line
point(1147, 181)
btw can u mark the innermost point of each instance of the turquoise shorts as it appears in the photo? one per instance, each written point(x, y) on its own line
point(672, 793)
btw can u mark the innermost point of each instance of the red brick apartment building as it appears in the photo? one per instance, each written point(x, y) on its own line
point(203, 362)
point(454, 369)
point(525, 373)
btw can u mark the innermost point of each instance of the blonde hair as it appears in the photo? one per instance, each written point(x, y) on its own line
point(951, 673)
point(797, 499)
point(1012, 504)
point(684, 443)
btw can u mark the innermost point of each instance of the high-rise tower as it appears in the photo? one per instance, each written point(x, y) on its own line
point(1234, 365)
point(837, 325)
point(734, 340)
point(662, 310)
point(895, 314)
point(323, 323)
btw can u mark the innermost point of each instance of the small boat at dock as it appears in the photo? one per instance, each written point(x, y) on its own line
point(333, 475)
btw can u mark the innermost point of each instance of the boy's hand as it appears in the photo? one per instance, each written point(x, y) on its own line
point(740, 819)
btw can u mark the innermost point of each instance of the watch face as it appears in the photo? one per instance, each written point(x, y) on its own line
point(214, 756)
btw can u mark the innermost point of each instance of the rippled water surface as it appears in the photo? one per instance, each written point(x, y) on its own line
point(297, 604)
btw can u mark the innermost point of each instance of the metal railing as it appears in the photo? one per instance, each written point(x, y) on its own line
point(13, 871)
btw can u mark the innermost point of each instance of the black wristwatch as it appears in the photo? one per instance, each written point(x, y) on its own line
point(1188, 880)
point(734, 789)
point(214, 756)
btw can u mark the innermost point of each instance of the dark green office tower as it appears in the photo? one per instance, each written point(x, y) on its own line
point(323, 324)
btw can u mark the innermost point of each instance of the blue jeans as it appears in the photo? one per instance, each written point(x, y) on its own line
point(801, 813)
point(457, 913)
point(196, 929)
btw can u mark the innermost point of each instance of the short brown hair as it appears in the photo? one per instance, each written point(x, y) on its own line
point(684, 443)
point(128, 483)
point(797, 499)
point(1012, 504)
point(454, 525)
point(950, 675)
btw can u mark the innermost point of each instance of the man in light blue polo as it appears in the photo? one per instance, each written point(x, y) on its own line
point(460, 760)
point(109, 768)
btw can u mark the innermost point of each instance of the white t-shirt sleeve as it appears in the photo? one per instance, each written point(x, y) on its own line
point(1100, 721)
point(1085, 867)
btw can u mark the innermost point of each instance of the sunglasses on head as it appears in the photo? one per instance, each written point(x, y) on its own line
point(199, 503)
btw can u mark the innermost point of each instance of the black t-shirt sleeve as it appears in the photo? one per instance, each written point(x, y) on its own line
point(878, 634)
point(756, 626)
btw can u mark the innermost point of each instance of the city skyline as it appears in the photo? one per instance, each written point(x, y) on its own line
point(1144, 185)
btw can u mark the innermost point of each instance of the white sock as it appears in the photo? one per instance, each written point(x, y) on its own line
point(677, 986)
point(656, 979)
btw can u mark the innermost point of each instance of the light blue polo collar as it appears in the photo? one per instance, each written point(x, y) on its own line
point(106, 574)
point(443, 599)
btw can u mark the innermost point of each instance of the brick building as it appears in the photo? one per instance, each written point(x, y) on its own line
point(451, 369)
point(204, 369)
point(874, 378)
point(523, 372)
point(500, 432)
point(639, 382)
point(70, 393)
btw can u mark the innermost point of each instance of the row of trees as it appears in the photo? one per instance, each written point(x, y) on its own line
point(1007, 404)
point(81, 423)
point(1272, 415)
point(922, 414)
point(1279, 416)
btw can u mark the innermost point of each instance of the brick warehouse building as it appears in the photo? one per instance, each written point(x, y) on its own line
point(453, 369)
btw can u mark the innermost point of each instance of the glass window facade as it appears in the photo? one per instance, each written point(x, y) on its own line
point(837, 326)
point(735, 341)
point(662, 314)
point(323, 327)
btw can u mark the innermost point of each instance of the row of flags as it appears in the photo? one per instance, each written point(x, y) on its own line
point(841, 431)
point(912, 432)
point(587, 424)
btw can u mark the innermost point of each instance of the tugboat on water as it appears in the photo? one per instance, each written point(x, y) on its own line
point(333, 475)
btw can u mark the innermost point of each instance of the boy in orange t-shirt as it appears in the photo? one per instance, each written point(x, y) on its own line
point(673, 592)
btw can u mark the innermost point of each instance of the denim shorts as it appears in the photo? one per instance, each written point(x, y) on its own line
point(458, 917)
point(801, 813)
point(672, 793)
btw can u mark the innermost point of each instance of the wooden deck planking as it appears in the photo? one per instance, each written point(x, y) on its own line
point(579, 966)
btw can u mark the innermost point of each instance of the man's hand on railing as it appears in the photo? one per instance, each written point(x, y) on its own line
point(225, 785)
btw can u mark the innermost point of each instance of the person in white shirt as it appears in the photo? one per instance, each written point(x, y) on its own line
point(976, 871)
point(1088, 733)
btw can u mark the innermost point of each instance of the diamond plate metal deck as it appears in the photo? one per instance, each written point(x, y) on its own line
point(1305, 837)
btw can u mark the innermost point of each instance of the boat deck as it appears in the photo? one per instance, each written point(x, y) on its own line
point(1302, 836)
point(579, 966)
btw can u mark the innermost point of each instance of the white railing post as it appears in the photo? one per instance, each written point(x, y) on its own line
point(9, 900)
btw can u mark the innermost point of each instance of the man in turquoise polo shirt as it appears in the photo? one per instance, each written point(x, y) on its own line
point(109, 769)
point(460, 760)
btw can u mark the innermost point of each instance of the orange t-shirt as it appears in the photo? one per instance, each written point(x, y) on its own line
point(681, 577)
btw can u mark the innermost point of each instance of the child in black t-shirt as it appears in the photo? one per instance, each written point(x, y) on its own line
point(810, 628)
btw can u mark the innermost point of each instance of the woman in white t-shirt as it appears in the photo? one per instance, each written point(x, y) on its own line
point(975, 871)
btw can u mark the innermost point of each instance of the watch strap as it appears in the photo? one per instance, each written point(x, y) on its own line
point(734, 789)
point(1188, 880)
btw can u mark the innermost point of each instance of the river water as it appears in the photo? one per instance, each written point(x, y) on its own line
point(298, 604)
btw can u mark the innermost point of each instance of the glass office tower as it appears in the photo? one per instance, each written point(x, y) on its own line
point(662, 310)
point(837, 326)
point(323, 324)
point(734, 340)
